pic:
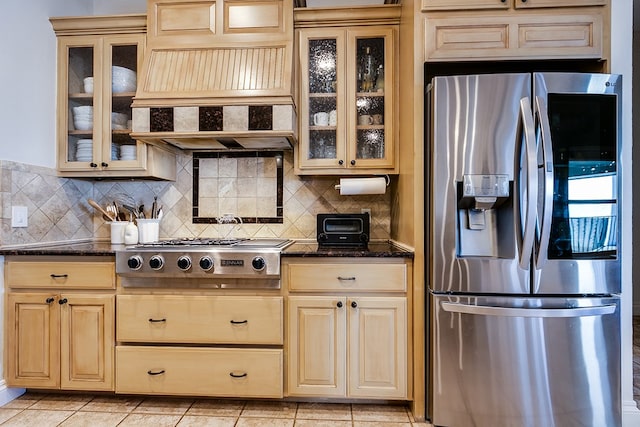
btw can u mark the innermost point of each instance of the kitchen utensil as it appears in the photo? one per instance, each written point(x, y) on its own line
point(154, 207)
point(106, 215)
point(131, 209)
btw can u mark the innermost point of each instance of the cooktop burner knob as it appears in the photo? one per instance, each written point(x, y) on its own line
point(135, 262)
point(258, 263)
point(156, 262)
point(184, 263)
point(206, 263)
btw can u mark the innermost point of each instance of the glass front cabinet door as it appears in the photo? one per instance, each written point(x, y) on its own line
point(95, 97)
point(347, 109)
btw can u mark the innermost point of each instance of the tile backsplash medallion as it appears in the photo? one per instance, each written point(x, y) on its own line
point(59, 212)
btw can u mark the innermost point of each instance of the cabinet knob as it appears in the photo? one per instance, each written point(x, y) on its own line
point(354, 304)
point(93, 165)
point(104, 164)
point(340, 162)
point(353, 162)
point(62, 301)
point(49, 300)
point(339, 304)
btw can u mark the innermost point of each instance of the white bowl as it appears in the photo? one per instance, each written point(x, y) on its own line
point(83, 110)
point(122, 79)
point(83, 124)
point(119, 118)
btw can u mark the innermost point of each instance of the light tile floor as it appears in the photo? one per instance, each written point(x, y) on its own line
point(81, 410)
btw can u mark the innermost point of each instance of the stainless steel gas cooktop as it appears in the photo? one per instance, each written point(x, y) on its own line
point(202, 261)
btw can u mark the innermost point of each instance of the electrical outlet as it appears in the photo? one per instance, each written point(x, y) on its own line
point(366, 210)
point(19, 216)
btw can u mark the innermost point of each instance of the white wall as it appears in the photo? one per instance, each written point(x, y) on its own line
point(111, 7)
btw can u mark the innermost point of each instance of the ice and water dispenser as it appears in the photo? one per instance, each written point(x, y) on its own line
point(485, 216)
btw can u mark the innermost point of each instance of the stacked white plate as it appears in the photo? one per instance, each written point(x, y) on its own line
point(83, 117)
point(84, 150)
point(127, 152)
point(122, 79)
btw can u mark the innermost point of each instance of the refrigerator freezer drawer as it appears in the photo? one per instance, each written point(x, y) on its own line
point(500, 361)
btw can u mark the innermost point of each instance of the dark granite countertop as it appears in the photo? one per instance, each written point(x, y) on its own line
point(373, 250)
point(85, 248)
point(297, 249)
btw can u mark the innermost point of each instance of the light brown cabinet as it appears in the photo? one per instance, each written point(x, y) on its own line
point(344, 339)
point(356, 340)
point(208, 345)
point(347, 95)
point(59, 338)
point(475, 30)
point(98, 62)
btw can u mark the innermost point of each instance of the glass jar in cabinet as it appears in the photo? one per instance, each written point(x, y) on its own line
point(97, 84)
point(347, 109)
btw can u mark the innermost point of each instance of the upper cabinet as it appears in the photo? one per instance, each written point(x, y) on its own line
point(347, 91)
point(475, 30)
point(98, 63)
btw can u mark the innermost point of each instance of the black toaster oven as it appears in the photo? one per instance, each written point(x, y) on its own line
point(350, 229)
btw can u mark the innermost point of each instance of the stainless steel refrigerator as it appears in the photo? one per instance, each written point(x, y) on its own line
point(523, 255)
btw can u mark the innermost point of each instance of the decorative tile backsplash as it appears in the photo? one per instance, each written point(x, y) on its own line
point(246, 184)
point(58, 208)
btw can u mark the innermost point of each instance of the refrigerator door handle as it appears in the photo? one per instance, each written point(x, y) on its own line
point(547, 166)
point(528, 130)
point(600, 310)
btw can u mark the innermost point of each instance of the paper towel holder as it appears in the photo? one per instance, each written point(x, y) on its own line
point(387, 179)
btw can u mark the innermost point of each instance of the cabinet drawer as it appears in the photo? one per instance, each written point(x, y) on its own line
point(347, 277)
point(199, 319)
point(61, 275)
point(199, 371)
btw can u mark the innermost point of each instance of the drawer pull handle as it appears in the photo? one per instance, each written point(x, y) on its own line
point(346, 278)
point(59, 276)
point(160, 372)
point(235, 322)
point(157, 320)
point(50, 300)
point(231, 374)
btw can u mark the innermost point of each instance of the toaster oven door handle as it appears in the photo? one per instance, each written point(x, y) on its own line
point(346, 278)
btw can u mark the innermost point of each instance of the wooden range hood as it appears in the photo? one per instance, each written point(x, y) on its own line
point(217, 74)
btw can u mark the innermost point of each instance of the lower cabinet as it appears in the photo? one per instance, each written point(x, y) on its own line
point(61, 341)
point(200, 345)
point(354, 346)
point(195, 371)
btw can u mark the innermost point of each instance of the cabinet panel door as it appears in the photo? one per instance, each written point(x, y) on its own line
point(33, 341)
point(317, 346)
point(377, 347)
point(87, 342)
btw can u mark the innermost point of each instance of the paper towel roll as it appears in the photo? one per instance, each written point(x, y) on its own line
point(355, 186)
